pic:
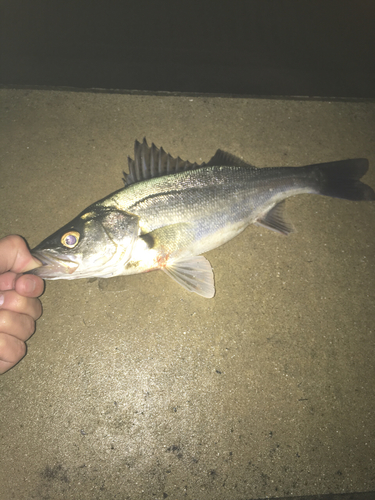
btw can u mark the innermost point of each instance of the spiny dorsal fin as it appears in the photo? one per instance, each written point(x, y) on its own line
point(150, 162)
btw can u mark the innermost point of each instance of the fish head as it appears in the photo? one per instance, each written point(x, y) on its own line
point(97, 243)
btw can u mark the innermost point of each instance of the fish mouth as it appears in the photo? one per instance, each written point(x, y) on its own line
point(53, 267)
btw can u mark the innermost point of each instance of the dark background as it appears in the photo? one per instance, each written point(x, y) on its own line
point(268, 47)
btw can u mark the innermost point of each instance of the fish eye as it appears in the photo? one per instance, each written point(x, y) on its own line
point(70, 239)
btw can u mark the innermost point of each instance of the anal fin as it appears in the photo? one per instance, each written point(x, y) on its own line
point(195, 274)
point(275, 219)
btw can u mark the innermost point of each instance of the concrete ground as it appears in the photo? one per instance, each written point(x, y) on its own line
point(134, 388)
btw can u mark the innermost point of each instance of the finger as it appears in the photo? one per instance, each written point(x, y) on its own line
point(15, 256)
point(17, 325)
point(29, 286)
point(8, 280)
point(12, 350)
point(12, 301)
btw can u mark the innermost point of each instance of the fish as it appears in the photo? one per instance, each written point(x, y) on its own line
point(171, 211)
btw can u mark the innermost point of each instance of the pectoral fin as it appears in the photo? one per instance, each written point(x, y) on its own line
point(195, 274)
point(172, 244)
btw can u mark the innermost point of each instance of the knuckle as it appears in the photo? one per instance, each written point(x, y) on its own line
point(30, 326)
point(19, 350)
point(11, 349)
point(17, 302)
point(16, 324)
point(14, 239)
point(4, 320)
point(39, 309)
point(27, 326)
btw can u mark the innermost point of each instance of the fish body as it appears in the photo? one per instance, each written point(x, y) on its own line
point(171, 211)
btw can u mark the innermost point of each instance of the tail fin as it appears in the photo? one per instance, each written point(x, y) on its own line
point(340, 179)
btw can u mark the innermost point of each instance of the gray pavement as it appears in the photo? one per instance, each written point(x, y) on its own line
point(134, 388)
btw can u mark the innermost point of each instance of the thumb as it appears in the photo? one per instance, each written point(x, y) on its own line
point(15, 255)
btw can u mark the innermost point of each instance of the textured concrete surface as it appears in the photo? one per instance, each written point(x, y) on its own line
point(132, 387)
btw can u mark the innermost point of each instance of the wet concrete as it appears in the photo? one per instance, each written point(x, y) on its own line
point(134, 388)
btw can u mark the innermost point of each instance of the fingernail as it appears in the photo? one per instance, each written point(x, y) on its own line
point(29, 285)
point(1, 299)
point(33, 263)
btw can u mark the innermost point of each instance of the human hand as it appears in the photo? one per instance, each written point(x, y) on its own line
point(19, 307)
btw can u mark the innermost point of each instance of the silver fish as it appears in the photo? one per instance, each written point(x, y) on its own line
point(171, 211)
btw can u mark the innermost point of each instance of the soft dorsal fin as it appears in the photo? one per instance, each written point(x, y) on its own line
point(222, 158)
point(150, 162)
